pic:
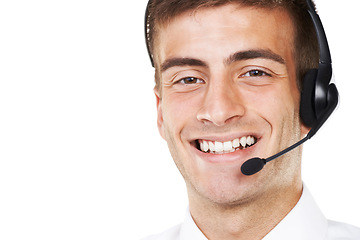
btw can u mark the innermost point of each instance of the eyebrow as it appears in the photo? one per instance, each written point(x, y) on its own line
point(179, 62)
point(238, 56)
point(252, 54)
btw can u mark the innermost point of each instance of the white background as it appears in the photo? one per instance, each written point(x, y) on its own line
point(80, 155)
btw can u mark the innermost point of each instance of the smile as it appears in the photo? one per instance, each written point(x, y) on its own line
point(215, 147)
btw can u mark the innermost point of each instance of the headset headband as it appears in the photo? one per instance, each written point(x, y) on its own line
point(147, 33)
point(325, 56)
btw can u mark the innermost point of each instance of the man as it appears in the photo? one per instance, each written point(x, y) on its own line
point(228, 86)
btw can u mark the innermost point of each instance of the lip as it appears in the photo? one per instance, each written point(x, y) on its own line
point(238, 156)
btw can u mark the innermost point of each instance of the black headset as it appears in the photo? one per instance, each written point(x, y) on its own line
point(319, 97)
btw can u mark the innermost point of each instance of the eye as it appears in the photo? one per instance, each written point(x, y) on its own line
point(255, 73)
point(190, 80)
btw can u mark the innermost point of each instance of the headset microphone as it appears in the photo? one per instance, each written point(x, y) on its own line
point(319, 97)
point(254, 165)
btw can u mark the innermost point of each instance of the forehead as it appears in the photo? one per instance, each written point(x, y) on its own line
point(216, 31)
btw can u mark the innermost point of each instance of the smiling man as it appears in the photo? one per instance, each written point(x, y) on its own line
point(228, 80)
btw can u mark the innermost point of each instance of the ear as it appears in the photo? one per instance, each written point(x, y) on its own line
point(160, 121)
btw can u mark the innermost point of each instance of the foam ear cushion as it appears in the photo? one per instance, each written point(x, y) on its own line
point(307, 106)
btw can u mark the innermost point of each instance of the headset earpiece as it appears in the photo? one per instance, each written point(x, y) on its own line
point(307, 106)
point(310, 115)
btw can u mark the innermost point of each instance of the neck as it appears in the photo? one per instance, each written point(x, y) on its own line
point(252, 219)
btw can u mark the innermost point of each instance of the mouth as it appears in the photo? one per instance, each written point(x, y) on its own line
point(216, 147)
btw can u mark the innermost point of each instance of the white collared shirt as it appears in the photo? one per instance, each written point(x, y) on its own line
point(304, 222)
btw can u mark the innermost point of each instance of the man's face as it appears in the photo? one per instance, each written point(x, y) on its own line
point(228, 93)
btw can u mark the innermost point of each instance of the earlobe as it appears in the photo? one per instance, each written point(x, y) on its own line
point(304, 129)
point(160, 120)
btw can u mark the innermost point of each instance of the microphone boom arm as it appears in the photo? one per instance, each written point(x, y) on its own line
point(288, 149)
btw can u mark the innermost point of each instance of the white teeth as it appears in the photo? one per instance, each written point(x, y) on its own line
point(250, 140)
point(243, 141)
point(211, 146)
point(205, 146)
point(219, 147)
point(227, 147)
point(236, 143)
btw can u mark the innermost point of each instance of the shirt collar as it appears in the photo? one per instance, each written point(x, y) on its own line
point(305, 221)
point(189, 230)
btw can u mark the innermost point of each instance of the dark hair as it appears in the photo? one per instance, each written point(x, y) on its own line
point(306, 49)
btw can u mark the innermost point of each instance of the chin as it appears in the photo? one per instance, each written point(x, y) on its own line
point(226, 187)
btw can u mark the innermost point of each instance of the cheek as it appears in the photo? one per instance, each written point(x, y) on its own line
point(177, 115)
point(276, 105)
point(177, 112)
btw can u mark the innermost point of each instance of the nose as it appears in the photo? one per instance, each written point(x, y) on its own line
point(222, 104)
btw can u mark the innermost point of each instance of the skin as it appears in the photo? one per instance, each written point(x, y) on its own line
point(228, 72)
